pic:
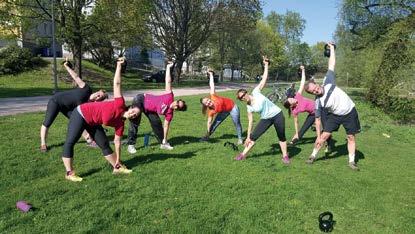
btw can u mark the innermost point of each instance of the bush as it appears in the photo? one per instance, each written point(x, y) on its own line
point(14, 59)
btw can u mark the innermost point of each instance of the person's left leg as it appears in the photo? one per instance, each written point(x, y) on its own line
point(235, 115)
point(307, 124)
point(279, 125)
point(351, 124)
point(101, 139)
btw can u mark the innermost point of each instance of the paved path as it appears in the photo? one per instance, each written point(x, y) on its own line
point(12, 106)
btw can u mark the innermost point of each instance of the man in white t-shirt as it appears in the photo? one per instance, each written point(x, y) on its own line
point(334, 107)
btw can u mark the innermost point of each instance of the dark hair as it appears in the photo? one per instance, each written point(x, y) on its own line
point(184, 107)
point(105, 96)
point(204, 108)
point(307, 84)
point(287, 105)
point(241, 91)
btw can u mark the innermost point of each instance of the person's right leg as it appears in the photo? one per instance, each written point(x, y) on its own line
point(132, 134)
point(75, 128)
point(51, 112)
point(317, 146)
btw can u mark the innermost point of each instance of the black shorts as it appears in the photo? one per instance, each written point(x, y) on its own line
point(350, 122)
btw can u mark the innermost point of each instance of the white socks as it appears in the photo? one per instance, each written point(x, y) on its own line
point(351, 158)
point(314, 154)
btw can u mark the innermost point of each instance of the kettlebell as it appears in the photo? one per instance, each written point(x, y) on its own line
point(326, 221)
point(327, 50)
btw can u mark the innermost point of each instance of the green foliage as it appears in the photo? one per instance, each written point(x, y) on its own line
point(14, 59)
point(199, 188)
point(376, 50)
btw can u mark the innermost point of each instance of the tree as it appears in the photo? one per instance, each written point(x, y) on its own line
point(69, 16)
point(290, 27)
point(179, 27)
point(235, 19)
point(117, 25)
point(376, 39)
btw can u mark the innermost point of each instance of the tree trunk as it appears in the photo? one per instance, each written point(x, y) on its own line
point(232, 68)
point(178, 70)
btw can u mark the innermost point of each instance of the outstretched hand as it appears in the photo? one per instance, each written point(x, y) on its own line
point(302, 68)
point(120, 61)
point(331, 45)
point(265, 60)
point(169, 64)
point(210, 72)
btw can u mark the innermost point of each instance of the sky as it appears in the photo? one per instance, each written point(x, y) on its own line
point(320, 15)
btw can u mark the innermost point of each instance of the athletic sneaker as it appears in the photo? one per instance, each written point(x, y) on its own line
point(240, 141)
point(310, 160)
point(121, 170)
point(72, 177)
point(131, 149)
point(166, 146)
point(43, 148)
point(294, 141)
point(353, 166)
point(92, 144)
point(240, 157)
point(286, 159)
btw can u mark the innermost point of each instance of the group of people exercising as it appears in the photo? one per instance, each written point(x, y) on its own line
point(88, 112)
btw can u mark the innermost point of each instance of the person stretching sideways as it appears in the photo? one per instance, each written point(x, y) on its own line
point(221, 107)
point(65, 102)
point(270, 115)
point(336, 108)
point(153, 106)
point(90, 117)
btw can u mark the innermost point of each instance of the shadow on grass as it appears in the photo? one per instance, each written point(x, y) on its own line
point(275, 149)
point(131, 163)
point(341, 150)
point(91, 172)
point(188, 139)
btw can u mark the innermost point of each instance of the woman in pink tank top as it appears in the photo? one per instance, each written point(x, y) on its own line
point(300, 104)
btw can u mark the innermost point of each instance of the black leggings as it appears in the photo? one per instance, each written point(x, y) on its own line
point(307, 124)
point(279, 124)
point(52, 111)
point(76, 126)
point(153, 117)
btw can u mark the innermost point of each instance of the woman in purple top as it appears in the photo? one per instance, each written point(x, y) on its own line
point(153, 106)
point(300, 104)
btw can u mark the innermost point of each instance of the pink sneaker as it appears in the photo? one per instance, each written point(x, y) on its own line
point(93, 144)
point(286, 159)
point(240, 157)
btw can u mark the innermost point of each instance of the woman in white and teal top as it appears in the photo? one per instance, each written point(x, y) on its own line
point(270, 115)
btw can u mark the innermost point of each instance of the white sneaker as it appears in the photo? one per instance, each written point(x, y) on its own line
point(166, 146)
point(131, 149)
point(240, 142)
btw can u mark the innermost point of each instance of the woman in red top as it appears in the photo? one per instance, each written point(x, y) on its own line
point(221, 107)
point(90, 117)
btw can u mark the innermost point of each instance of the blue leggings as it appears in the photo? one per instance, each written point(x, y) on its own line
point(220, 117)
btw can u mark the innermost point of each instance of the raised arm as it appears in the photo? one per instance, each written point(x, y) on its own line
point(211, 82)
point(117, 78)
point(168, 76)
point(332, 59)
point(73, 74)
point(301, 89)
point(265, 75)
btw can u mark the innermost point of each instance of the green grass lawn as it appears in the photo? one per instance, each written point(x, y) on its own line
point(39, 82)
point(198, 187)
